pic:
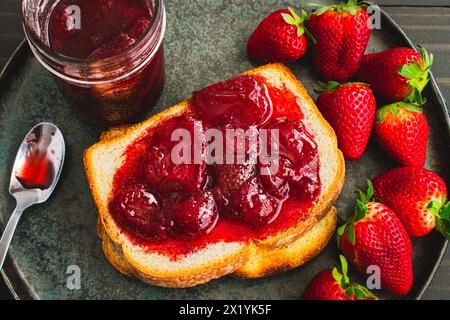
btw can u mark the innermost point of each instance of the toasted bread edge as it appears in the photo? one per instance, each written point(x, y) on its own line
point(261, 261)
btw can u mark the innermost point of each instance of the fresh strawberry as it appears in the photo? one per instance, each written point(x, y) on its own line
point(280, 37)
point(395, 73)
point(418, 196)
point(334, 284)
point(401, 129)
point(376, 236)
point(341, 33)
point(350, 109)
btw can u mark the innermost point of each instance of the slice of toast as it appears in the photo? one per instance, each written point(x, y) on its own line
point(285, 250)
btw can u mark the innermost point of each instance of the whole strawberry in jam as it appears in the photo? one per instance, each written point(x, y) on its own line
point(237, 164)
point(298, 163)
point(122, 40)
point(193, 215)
point(280, 37)
point(176, 165)
point(239, 103)
point(276, 183)
point(136, 208)
point(228, 178)
point(253, 205)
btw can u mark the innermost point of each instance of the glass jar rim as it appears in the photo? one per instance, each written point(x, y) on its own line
point(47, 56)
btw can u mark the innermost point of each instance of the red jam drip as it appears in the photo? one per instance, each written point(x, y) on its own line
point(238, 103)
point(276, 202)
point(101, 31)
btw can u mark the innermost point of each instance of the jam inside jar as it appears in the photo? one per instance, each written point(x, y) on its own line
point(107, 56)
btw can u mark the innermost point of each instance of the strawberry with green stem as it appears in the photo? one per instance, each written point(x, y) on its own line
point(401, 129)
point(441, 212)
point(419, 198)
point(280, 37)
point(376, 236)
point(350, 109)
point(335, 284)
point(397, 74)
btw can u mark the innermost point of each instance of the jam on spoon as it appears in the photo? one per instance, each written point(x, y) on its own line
point(34, 169)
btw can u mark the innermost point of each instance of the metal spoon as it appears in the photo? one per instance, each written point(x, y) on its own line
point(34, 176)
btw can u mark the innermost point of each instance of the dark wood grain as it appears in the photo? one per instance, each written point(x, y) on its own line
point(428, 26)
point(416, 3)
point(11, 33)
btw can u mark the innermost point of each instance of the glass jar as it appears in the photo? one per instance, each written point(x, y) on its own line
point(112, 89)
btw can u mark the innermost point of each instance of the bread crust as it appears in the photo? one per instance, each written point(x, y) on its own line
point(285, 250)
point(259, 262)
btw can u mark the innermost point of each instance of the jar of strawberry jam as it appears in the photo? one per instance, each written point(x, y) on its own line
point(106, 55)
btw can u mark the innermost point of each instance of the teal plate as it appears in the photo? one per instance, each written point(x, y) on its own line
point(205, 43)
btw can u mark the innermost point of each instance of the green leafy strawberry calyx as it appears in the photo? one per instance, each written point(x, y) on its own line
point(352, 7)
point(350, 289)
point(360, 213)
point(333, 85)
point(293, 18)
point(441, 210)
point(418, 75)
point(394, 109)
point(327, 86)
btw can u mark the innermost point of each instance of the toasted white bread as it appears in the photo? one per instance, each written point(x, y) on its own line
point(285, 250)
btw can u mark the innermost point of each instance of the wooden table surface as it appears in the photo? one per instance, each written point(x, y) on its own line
point(426, 23)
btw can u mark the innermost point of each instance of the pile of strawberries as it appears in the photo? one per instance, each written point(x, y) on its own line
point(403, 202)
